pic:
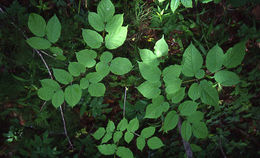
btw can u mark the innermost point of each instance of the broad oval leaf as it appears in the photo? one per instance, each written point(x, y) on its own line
point(147, 132)
point(209, 94)
point(58, 98)
point(106, 10)
point(102, 68)
point(45, 93)
point(107, 149)
point(187, 108)
point(120, 66)
point(149, 90)
point(133, 125)
point(226, 78)
point(53, 29)
point(200, 130)
point(84, 83)
point(115, 23)
point(94, 77)
point(117, 38)
point(96, 89)
point(235, 55)
point(37, 24)
point(161, 48)
point(214, 59)
point(186, 130)
point(174, 5)
point(106, 57)
point(192, 61)
point(110, 126)
point(195, 117)
point(62, 76)
point(170, 121)
point(51, 84)
point(177, 96)
point(38, 43)
point(117, 136)
point(96, 21)
point(92, 38)
point(86, 57)
point(140, 143)
point(128, 136)
point(154, 143)
point(172, 85)
point(107, 137)
point(149, 72)
point(75, 68)
point(124, 152)
point(172, 71)
point(200, 74)
point(73, 94)
point(99, 133)
point(194, 91)
point(187, 3)
point(148, 57)
point(122, 125)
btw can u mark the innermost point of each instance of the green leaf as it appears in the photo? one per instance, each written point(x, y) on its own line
point(117, 38)
point(38, 43)
point(200, 74)
point(86, 57)
point(102, 68)
point(107, 149)
point(214, 59)
point(124, 152)
point(122, 125)
point(174, 5)
point(147, 132)
point(96, 21)
point(56, 50)
point(73, 94)
point(194, 91)
point(172, 85)
point(92, 38)
point(128, 136)
point(149, 90)
point(45, 93)
point(51, 84)
point(192, 61)
point(161, 48)
point(107, 137)
point(36, 24)
point(195, 148)
point(172, 71)
point(195, 117)
point(58, 98)
point(153, 111)
point(200, 130)
point(209, 94)
point(133, 125)
point(170, 121)
point(154, 143)
point(235, 55)
point(186, 130)
point(84, 83)
point(99, 133)
point(94, 77)
point(178, 96)
point(115, 23)
point(187, 108)
point(149, 72)
point(187, 3)
point(53, 29)
point(226, 78)
point(117, 136)
point(106, 10)
point(62, 76)
point(96, 89)
point(148, 57)
point(106, 57)
point(140, 143)
point(75, 68)
point(120, 66)
point(110, 126)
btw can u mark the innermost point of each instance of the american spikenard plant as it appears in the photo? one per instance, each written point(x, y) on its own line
point(178, 92)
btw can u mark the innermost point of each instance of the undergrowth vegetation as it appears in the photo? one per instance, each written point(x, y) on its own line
point(107, 78)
